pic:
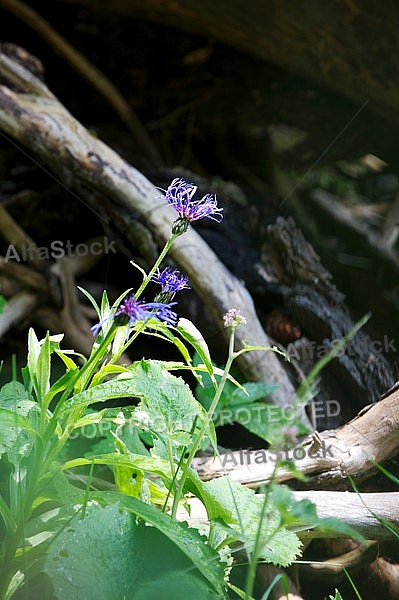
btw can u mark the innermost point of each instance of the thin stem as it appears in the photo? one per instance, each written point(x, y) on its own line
point(251, 573)
point(205, 425)
point(170, 455)
point(160, 258)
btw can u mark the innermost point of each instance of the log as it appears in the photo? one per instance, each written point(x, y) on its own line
point(34, 117)
point(329, 457)
point(363, 512)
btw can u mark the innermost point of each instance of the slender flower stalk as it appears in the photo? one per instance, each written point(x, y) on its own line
point(205, 424)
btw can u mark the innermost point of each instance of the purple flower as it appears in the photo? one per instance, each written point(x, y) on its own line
point(179, 194)
point(131, 311)
point(171, 281)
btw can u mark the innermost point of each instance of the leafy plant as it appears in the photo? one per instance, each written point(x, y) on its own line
point(101, 518)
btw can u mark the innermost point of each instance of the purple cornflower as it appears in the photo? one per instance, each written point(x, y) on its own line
point(171, 281)
point(179, 194)
point(132, 311)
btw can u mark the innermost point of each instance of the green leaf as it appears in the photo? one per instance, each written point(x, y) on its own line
point(191, 334)
point(3, 302)
point(60, 385)
point(168, 333)
point(167, 408)
point(109, 554)
point(279, 545)
point(337, 596)
point(240, 406)
point(147, 464)
point(33, 357)
point(301, 514)
point(17, 413)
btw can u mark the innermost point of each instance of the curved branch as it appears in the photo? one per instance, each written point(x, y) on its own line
point(90, 72)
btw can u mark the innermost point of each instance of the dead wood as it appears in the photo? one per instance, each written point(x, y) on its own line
point(363, 512)
point(91, 73)
point(329, 457)
point(32, 115)
point(313, 301)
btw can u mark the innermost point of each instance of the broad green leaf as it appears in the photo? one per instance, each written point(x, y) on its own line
point(110, 555)
point(279, 545)
point(14, 428)
point(167, 407)
point(3, 302)
point(116, 388)
point(240, 406)
point(267, 421)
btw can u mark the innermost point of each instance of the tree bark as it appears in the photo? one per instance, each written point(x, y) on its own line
point(330, 457)
point(363, 512)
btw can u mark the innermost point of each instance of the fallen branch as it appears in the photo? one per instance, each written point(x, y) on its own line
point(329, 457)
point(363, 512)
point(17, 309)
point(90, 72)
point(32, 115)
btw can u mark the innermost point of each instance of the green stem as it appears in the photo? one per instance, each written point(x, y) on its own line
point(259, 543)
point(160, 258)
point(205, 425)
point(170, 455)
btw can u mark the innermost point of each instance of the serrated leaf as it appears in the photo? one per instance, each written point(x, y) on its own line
point(167, 406)
point(279, 545)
